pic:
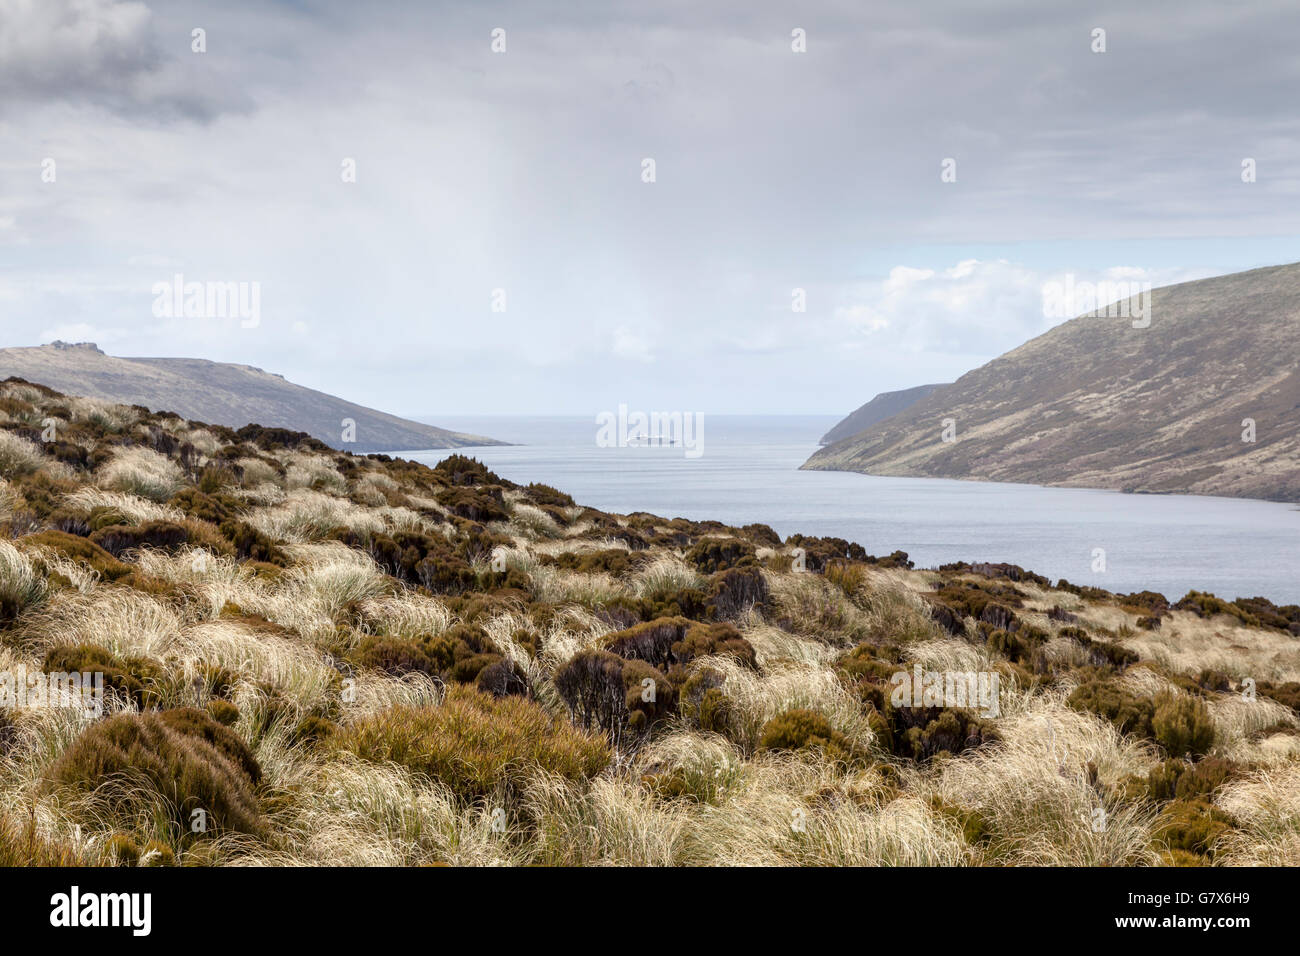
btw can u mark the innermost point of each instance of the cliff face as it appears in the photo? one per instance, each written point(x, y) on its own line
point(221, 394)
point(1098, 403)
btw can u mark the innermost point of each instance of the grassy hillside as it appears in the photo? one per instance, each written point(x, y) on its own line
point(358, 660)
point(885, 405)
point(1097, 403)
point(223, 394)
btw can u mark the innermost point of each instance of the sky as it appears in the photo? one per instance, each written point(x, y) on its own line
point(502, 249)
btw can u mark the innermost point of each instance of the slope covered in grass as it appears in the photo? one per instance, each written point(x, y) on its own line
point(361, 660)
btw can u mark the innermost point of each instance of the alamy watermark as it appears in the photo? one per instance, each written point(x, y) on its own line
point(1105, 299)
point(967, 689)
point(24, 690)
point(179, 299)
point(626, 429)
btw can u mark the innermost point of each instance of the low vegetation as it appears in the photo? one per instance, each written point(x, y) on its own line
point(316, 657)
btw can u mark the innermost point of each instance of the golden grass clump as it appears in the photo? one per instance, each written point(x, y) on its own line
point(141, 472)
point(475, 745)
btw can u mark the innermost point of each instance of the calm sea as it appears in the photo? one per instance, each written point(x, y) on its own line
point(749, 473)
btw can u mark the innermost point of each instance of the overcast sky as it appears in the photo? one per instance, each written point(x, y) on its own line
point(522, 171)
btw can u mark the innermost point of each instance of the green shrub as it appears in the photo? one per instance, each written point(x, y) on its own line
point(182, 756)
point(1192, 826)
point(83, 551)
point(951, 731)
point(734, 591)
point(1177, 779)
point(164, 535)
point(614, 561)
point(251, 544)
point(223, 712)
point(475, 744)
point(718, 554)
point(704, 703)
point(476, 504)
point(1129, 713)
point(591, 685)
point(133, 677)
point(1182, 724)
point(800, 729)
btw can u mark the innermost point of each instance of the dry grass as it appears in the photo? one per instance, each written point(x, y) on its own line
point(18, 456)
point(418, 767)
point(141, 472)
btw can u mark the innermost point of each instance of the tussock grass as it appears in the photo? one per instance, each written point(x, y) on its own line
point(758, 697)
point(315, 472)
point(22, 586)
point(112, 418)
point(532, 522)
point(818, 609)
point(793, 810)
point(664, 577)
point(141, 472)
point(308, 515)
point(133, 509)
point(124, 621)
point(18, 456)
point(1267, 806)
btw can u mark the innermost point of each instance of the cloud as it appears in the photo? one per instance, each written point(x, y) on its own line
point(971, 307)
point(104, 53)
point(629, 344)
point(477, 170)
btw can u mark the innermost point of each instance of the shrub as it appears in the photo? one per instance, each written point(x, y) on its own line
point(1182, 724)
point(132, 677)
point(223, 712)
point(81, 550)
point(718, 554)
point(952, 731)
point(475, 744)
point(651, 641)
point(474, 504)
point(1192, 826)
point(706, 640)
point(252, 545)
point(735, 591)
point(800, 729)
point(614, 561)
point(163, 535)
point(546, 495)
point(182, 756)
point(1177, 779)
point(649, 695)
point(502, 678)
point(591, 684)
point(396, 656)
point(1129, 713)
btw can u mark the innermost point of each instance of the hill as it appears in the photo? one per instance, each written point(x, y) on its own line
point(222, 394)
point(885, 405)
point(1098, 403)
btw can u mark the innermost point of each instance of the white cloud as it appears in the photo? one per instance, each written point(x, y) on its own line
point(630, 344)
